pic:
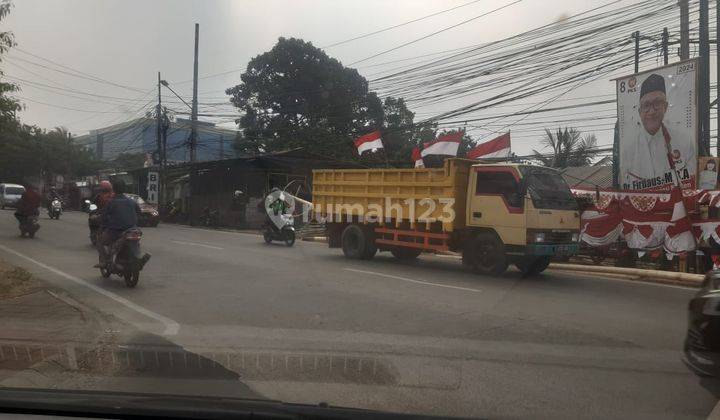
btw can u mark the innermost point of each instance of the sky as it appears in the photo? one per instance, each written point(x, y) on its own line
point(126, 42)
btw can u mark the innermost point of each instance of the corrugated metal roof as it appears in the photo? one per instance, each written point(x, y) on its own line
point(588, 176)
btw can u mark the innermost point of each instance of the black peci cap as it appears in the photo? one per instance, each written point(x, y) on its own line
point(653, 83)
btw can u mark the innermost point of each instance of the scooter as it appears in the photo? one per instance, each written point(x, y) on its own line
point(285, 234)
point(29, 226)
point(55, 209)
point(125, 258)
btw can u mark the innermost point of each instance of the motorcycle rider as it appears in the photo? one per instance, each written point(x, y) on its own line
point(52, 195)
point(118, 215)
point(29, 204)
point(104, 196)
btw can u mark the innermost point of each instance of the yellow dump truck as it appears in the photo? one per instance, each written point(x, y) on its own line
point(495, 214)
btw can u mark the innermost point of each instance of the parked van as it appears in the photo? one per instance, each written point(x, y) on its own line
point(10, 194)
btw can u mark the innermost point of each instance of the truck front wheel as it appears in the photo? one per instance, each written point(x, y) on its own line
point(357, 243)
point(531, 266)
point(485, 254)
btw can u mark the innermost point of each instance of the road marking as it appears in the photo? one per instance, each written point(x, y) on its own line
point(171, 327)
point(197, 244)
point(456, 257)
point(390, 276)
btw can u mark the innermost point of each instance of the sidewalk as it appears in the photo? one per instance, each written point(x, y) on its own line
point(39, 324)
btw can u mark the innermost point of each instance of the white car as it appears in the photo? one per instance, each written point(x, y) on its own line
point(10, 194)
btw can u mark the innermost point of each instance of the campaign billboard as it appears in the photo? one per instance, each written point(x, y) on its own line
point(657, 121)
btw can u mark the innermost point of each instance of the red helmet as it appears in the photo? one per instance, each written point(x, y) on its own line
point(106, 186)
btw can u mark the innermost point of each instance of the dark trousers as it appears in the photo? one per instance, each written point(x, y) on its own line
point(107, 238)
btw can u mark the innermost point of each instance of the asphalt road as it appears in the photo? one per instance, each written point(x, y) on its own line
point(304, 324)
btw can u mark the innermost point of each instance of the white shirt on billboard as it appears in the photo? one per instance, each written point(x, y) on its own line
point(707, 180)
point(647, 156)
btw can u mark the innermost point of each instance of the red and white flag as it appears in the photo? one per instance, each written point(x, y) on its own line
point(417, 158)
point(495, 148)
point(369, 141)
point(678, 236)
point(443, 145)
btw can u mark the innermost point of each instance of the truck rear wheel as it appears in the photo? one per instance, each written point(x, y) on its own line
point(405, 254)
point(357, 243)
point(531, 266)
point(485, 254)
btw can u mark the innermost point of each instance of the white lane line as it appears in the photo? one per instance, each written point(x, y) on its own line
point(171, 327)
point(197, 244)
point(425, 283)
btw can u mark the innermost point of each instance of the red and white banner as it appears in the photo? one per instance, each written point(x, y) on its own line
point(417, 158)
point(647, 221)
point(369, 141)
point(495, 148)
point(444, 145)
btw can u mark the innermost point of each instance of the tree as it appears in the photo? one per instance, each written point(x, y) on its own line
point(8, 106)
point(569, 148)
point(295, 95)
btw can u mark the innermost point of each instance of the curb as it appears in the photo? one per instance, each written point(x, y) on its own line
point(651, 276)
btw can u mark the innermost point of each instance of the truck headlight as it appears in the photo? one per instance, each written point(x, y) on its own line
point(575, 237)
point(539, 237)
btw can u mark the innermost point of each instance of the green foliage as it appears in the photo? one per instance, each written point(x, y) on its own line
point(568, 149)
point(29, 152)
point(295, 95)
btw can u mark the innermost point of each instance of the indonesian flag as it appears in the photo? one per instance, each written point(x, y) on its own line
point(443, 145)
point(417, 158)
point(369, 142)
point(679, 237)
point(496, 148)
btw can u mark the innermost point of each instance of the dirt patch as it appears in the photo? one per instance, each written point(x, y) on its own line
point(16, 281)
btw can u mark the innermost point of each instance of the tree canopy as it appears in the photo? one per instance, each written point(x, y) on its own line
point(295, 95)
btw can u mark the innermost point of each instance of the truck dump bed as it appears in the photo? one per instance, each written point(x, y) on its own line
point(419, 196)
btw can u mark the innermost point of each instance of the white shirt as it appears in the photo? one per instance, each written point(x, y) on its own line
point(708, 180)
point(646, 157)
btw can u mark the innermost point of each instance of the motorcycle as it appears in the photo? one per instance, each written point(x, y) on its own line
point(55, 209)
point(124, 258)
point(285, 234)
point(93, 223)
point(28, 226)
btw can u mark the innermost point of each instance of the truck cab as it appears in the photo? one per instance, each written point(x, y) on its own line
point(526, 213)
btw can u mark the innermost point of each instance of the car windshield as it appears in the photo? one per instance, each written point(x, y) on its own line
point(548, 189)
point(347, 208)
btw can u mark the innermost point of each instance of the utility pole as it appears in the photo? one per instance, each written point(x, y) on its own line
point(158, 117)
point(193, 116)
point(636, 35)
point(665, 42)
point(704, 91)
point(684, 30)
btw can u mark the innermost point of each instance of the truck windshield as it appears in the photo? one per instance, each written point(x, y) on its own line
point(548, 190)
